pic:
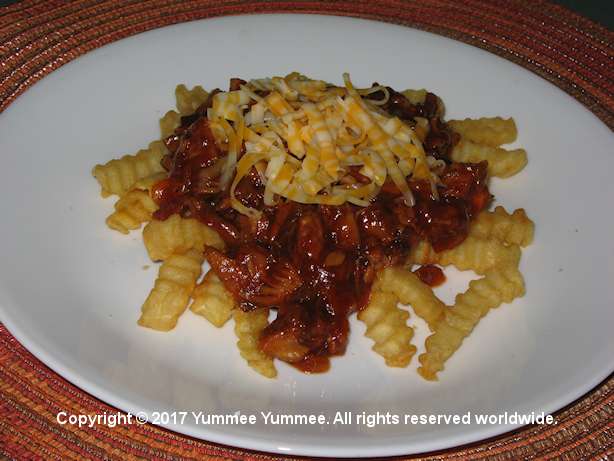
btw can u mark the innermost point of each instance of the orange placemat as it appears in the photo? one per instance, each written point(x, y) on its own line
point(38, 36)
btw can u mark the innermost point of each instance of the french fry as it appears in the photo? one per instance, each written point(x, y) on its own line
point(476, 254)
point(419, 96)
point(415, 96)
point(169, 123)
point(212, 300)
point(515, 228)
point(189, 100)
point(248, 327)
point(496, 287)
point(387, 326)
point(409, 289)
point(177, 235)
point(148, 182)
point(169, 297)
point(490, 131)
point(136, 206)
point(119, 175)
point(131, 210)
point(502, 163)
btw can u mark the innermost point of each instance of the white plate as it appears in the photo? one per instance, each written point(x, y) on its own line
point(71, 289)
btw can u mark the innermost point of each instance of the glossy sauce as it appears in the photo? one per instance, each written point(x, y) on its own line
point(314, 264)
point(432, 275)
point(313, 364)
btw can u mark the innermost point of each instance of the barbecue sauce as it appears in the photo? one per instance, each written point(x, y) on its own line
point(432, 275)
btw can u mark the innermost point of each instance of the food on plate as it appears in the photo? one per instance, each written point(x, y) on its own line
point(499, 285)
point(172, 290)
point(118, 176)
point(176, 235)
point(502, 163)
point(493, 131)
point(476, 254)
point(511, 229)
point(212, 300)
point(312, 202)
point(133, 209)
point(387, 326)
point(248, 328)
point(410, 290)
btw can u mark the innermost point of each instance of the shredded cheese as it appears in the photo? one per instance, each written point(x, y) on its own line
point(303, 136)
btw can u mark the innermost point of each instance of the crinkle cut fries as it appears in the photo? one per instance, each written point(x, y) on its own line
point(326, 159)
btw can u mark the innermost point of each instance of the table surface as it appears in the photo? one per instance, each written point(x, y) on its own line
point(601, 11)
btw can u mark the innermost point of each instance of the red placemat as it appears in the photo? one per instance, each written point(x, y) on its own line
point(37, 37)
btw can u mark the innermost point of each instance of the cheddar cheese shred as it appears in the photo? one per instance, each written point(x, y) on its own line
point(305, 135)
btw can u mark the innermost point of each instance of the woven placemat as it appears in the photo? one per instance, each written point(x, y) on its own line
point(38, 36)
